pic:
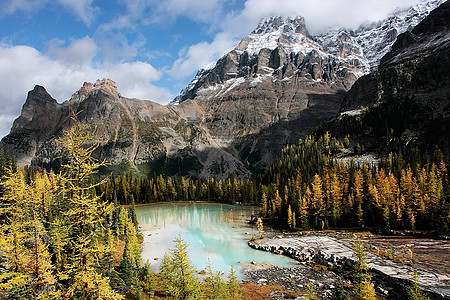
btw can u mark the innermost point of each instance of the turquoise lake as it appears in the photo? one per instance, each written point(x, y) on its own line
point(215, 232)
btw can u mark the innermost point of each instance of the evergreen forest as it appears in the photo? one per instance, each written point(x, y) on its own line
point(65, 234)
point(313, 185)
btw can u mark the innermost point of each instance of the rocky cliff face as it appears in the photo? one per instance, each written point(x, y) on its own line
point(37, 123)
point(143, 135)
point(409, 95)
point(276, 85)
point(282, 48)
point(280, 81)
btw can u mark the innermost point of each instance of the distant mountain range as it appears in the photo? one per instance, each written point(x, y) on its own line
point(278, 84)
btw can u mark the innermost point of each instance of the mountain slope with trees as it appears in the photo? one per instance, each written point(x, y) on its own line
point(271, 90)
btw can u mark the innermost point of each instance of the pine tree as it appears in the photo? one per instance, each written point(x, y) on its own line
point(415, 291)
point(28, 270)
point(290, 220)
point(132, 212)
point(14, 280)
point(110, 247)
point(310, 292)
point(39, 265)
point(260, 226)
point(84, 213)
point(363, 289)
point(304, 214)
point(126, 266)
point(134, 250)
point(148, 280)
point(277, 203)
point(59, 239)
point(358, 188)
point(265, 210)
point(318, 200)
point(216, 287)
point(234, 290)
point(178, 273)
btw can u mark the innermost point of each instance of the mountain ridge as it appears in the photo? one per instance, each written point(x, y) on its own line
point(406, 102)
point(242, 111)
point(348, 47)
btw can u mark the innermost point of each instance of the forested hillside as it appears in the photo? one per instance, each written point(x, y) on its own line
point(59, 239)
point(64, 235)
point(312, 186)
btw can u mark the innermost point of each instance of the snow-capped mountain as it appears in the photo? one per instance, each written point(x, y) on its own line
point(273, 32)
point(370, 42)
point(272, 89)
point(283, 48)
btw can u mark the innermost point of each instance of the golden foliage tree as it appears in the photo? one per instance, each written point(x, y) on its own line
point(363, 289)
point(83, 214)
point(178, 273)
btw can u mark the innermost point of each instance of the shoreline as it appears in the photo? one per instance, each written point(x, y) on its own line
point(322, 256)
point(184, 202)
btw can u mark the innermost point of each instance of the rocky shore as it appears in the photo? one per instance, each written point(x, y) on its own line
point(293, 279)
point(327, 260)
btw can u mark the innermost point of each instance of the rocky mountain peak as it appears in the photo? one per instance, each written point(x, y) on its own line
point(283, 49)
point(38, 95)
point(83, 92)
point(287, 33)
point(370, 42)
point(39, 98)
point(105, 84)
point(38, 101)
point(288, 25)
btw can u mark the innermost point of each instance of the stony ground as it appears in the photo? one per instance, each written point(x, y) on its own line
point(388, 260)
point(294, 279)
point(430, 254)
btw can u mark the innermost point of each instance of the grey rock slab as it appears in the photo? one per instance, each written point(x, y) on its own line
point(340, 253)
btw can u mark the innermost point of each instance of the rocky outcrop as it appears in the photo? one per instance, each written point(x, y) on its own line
point(143, 135)
point(410, 93)
point(37, 123)
point(339, 254)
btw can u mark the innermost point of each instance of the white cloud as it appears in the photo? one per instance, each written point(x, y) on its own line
point(83, 9)
point(133, 81)
point(79, 52)
point(200, 55)
point(318, 14)
point(198, 10)
point(22, 67)
point(9, 7)
point(146, 12)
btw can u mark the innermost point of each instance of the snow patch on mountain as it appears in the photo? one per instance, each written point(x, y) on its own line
point(370, 42)
point(274, 32)
point(358, 51)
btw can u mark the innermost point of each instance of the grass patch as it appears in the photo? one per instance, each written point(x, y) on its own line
point(252, 291)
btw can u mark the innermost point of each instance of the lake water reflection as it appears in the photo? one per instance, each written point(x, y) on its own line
point(215, 232)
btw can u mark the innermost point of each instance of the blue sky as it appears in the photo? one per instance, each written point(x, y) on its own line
point(151, 48)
